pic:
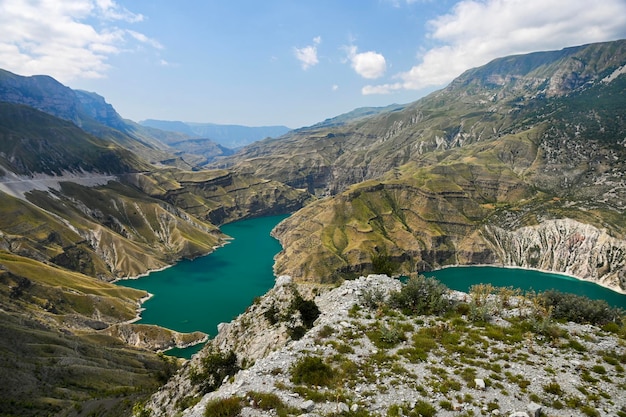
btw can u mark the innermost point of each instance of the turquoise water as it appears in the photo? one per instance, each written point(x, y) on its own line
point(462, 278)
point(197, 295)
point(200, 294)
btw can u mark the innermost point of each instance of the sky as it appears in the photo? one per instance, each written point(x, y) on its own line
point(281, 62)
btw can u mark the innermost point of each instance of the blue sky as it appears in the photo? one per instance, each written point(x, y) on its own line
point(288, 62)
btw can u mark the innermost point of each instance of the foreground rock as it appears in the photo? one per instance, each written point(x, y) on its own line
point(382, 362)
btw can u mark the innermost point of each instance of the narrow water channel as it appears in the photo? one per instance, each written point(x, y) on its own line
point(198, 295)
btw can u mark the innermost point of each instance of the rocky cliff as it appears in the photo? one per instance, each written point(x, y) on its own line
point(564, 245)
point(362, 358)
point(520, 142)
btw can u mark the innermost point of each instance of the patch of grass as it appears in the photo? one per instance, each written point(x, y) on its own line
point(589, 411)
point(269, 401)
point(599, 369)
point(553, 388)
point(423, 409)
point(386, 337)
point(223, 407)
point(312, 370)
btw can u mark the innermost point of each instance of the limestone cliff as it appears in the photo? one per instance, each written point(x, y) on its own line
point(153, 338)
point(564, 246)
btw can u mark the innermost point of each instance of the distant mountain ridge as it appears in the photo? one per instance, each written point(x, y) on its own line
point(90, 112)
point(510, 164)
point(229, 136)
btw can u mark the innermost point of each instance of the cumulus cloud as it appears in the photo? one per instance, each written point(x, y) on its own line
point(308, 55)
point(59, 38)
point(477, 31)
point(369, 64)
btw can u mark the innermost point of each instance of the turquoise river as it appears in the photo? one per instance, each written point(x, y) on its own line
point(200, 294)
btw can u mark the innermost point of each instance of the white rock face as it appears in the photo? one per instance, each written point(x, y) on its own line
point(565, 246)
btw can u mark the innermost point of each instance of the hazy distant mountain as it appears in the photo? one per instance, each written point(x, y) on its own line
point(93, 114)
point(230, 136)
point(356, 114)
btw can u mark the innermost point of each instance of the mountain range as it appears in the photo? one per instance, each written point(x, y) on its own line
point(519, 162)
point(479, 172)
point(229, 136)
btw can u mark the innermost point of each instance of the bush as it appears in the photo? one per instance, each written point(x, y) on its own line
point(385, 337)
point(580, 309)
point(223, 407)
point(421, 295)
point(272, 314)
point(553, 388)
point(373, 299)
point(423, 409)
point(382, 264)
point(309, 312)
point(312, 370)
point(213, 369)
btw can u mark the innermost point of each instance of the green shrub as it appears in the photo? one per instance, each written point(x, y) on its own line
point(423, 409)
point(312, 370)
point(297, 332)
point(272, 314)
point(589, 411)
point(268, 401)
point(223, 407)
point(214, 367)
point(599, 369)
point(309, 312)
point(421, 295)
point(446, 405)
point(580, 309)
point(385, 337)
point(553, 388)
point(373, 298)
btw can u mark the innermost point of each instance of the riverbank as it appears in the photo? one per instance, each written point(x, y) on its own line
point(198, 294)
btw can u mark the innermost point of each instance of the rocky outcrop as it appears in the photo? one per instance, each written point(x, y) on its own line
point(252, 335)
point(565, 246)
point(220, 196)
point(155, 338)
point(493, 374)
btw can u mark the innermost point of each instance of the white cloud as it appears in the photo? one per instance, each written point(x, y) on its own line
point(369, 64)
point(335, 87)
point(477, 31)
point(57, 38)
point(308, 55)
point(111, 10)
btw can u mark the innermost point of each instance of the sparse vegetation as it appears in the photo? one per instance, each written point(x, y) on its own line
point(214, 367)
point(312, 370)
point(421, 295)
point(223, 407)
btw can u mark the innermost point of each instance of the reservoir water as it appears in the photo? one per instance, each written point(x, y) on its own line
point(200, 294)
point(197, 295)
point(461, 278)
